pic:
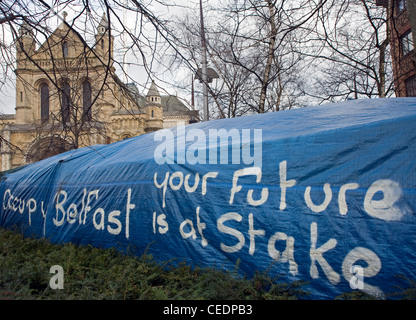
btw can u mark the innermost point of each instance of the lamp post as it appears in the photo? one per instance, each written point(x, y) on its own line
point(205, 74)
point(204, 64)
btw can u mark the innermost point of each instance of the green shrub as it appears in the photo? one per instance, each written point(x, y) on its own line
point(93, 273)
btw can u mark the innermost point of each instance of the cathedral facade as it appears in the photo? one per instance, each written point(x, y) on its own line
point(68, 96)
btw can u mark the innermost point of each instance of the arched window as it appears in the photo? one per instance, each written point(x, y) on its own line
point(65, 49)
point(65, 102)
point(44, 103)
point(47, 147)
point(126, 136)
point(86, 96)
point(153, 114)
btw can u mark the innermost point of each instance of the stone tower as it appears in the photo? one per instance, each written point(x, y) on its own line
point(25, 49)
point(104, 42)
point(153, 109)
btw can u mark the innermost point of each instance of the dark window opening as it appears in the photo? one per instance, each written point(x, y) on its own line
point(66, 103)
point(87, 101)
point(406, 43)
point(401, 5)
point(44, 103)
point(65, 49)
point(411, 86)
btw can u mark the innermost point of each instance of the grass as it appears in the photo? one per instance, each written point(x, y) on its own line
point(93, 273)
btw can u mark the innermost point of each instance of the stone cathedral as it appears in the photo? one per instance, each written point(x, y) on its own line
point(69, 96)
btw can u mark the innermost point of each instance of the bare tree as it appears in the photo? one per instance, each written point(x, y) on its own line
point(253, 47)
point(259, 35)
point(274, 55)
point(349, 52)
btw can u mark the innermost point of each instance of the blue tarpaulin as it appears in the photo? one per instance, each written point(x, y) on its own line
point(322, 194)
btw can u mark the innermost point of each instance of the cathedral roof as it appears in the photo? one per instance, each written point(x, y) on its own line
point(103, 23)
point(172, 105)
point(153, 91)
point(25, 28)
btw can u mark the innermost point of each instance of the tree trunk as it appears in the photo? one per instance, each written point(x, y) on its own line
point(270, 57)
point(382, 57)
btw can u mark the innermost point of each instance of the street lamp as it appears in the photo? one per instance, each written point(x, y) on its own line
point(205, 74)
